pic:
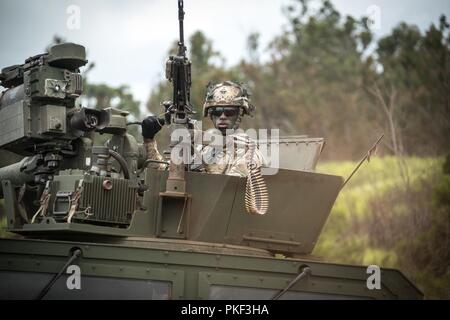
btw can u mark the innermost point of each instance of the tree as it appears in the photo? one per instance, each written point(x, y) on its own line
point(313, 82)
point(416, 67)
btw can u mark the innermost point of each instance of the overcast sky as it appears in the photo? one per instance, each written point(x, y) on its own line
point(128, 40)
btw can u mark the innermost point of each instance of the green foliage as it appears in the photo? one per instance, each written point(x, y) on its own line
point(313, 83)
point(416, 82)
point(378, 219)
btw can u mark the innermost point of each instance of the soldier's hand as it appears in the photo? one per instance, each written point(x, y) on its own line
point(150, 127)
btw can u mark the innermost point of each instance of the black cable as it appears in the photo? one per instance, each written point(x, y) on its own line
point(75, 255)
point(122, 162)
point(306, 271)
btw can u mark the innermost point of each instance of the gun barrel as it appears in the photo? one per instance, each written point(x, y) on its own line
point(181, 47)
point(14, 175)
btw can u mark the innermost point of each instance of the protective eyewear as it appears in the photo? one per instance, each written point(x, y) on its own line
point(228, 111)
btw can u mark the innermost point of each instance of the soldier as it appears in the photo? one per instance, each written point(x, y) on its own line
point(225, 104)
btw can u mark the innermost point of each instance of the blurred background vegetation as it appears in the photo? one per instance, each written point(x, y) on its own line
point(379, 219)
point(328, 76)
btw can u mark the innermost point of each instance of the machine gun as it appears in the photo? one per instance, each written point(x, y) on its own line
point(177, 111)
point(178, 72)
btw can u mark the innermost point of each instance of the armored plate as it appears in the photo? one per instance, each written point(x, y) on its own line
point(175, 269)
point(295, 152)
point(214, 211)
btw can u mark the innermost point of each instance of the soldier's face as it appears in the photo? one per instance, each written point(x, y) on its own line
point(224, 117)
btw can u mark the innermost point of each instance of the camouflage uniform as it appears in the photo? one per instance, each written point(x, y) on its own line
point(151, 149)
point(227, 159)
point(230, 161)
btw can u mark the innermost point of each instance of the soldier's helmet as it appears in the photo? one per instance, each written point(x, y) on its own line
point(228, 94)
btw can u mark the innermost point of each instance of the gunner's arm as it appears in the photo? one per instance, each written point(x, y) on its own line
point(150, 127)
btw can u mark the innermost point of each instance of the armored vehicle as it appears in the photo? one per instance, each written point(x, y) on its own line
point(98, 222)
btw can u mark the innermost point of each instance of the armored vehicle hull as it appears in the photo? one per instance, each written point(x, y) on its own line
point(150, 268)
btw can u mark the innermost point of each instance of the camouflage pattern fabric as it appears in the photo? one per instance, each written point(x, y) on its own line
point(229, 159)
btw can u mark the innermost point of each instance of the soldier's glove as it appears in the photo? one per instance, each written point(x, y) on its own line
point(150, 127)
